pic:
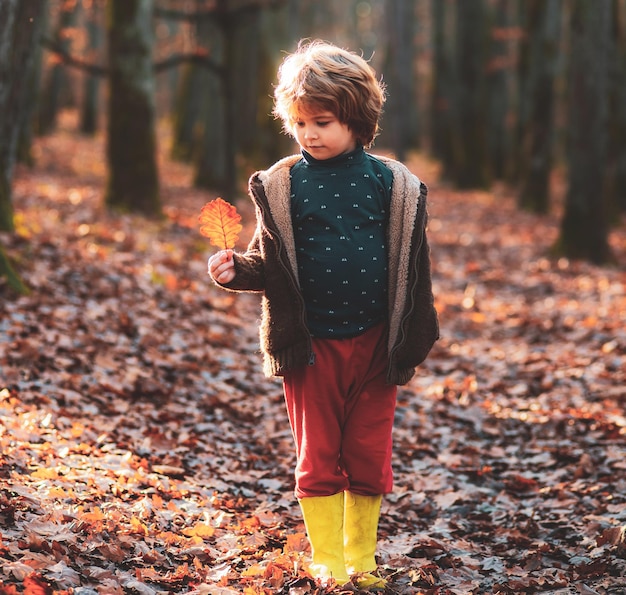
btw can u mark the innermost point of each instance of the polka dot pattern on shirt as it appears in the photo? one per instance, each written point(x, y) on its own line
point(339, 212)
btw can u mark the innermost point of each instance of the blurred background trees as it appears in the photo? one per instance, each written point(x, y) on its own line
point(515, 91)
point(20, 26)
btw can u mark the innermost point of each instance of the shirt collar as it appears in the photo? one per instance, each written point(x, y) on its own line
point(352, 158)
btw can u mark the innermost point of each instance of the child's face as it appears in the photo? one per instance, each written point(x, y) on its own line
point(322, 135)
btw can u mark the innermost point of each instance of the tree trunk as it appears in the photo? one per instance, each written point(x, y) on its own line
point(215, 160)
point(522, 99)
point(20, 22)
point(19, 32)
point(31, 101)
point(7, 272)
point(57, 90)
point(229, 108)
point(245, 67)
point(270, 143)
point(442, 117)
point(191, 98)
point(617, 113)
point(471, 165)
point(91, 83)
point(401, 112)
point(10, 93)
point(498, 89)
point(584, 228)
point(543, 32)
point(192, 95)
point(133, 183)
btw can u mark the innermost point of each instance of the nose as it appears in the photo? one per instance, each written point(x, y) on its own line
point(309, 132)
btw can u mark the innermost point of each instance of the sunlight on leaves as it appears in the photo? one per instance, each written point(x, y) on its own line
point(201, 530)
point(220, 222)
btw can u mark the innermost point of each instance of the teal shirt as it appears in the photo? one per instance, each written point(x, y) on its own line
point(340, 209)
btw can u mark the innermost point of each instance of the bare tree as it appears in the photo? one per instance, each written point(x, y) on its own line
point(19, 34)
point(133, 182)
point(192, 94)
point(56, 91)
point(543, 38)
point(584, 227)
point(499, 70)
point(31, 96)
point(441, 126)
point(470, 168)
point(401, 111)
point(617, 113)
point(230, 111)
point(91, 84)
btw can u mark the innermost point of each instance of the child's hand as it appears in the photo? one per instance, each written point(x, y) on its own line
point(222, 266)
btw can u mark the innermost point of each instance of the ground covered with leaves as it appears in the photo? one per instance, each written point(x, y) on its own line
point(143, 452)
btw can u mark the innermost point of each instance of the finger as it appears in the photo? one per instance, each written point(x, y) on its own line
point(225, 276)
point(216, 260)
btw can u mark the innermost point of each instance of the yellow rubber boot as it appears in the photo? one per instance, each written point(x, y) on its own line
point(323, 518)
point(360, 536)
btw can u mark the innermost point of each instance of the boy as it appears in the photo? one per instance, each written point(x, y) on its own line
point(341, 256)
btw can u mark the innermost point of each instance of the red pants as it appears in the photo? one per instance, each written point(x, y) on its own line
point(341, 413)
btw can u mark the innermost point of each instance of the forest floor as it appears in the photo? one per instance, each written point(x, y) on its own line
point(143, 452)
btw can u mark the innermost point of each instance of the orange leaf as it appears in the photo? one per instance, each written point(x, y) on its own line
point(254, 570)
point(45, 473)
point(220, 222)
point(35, 584)
point(138, 527)
point(95, 516)
point(199, 530)
point(296, 542)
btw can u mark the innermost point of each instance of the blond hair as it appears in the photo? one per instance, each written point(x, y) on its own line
point(320, 76)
